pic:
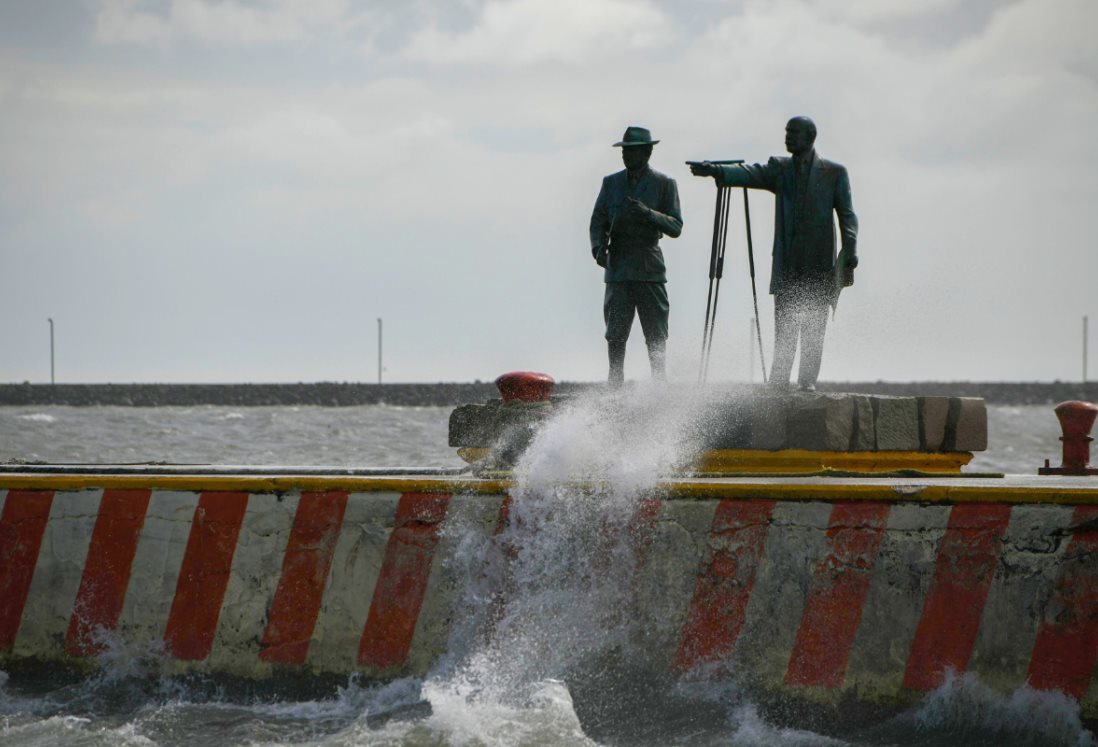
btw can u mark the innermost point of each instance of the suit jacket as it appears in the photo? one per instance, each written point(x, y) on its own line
point(828, 194)
point(630, 243)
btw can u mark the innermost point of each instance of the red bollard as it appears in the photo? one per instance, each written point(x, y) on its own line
point(525, 386)
point(1076, 420)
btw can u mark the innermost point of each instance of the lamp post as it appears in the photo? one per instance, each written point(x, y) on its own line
point(379, 351)
point(50, 320)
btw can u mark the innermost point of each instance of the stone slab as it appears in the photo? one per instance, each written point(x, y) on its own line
point(896, 423)
point(865, 428)
point(966, 426)
point(933, 415)
point(824, 422)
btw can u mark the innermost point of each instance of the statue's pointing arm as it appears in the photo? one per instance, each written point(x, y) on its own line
point(752, 175)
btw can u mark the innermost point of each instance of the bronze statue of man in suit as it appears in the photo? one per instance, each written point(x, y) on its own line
point(806, 274)
point(635, 207)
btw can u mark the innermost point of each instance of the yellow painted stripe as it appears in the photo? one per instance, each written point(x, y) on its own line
point(800, 461)
point(254, 484)
point(893, 493)
point(789, 489)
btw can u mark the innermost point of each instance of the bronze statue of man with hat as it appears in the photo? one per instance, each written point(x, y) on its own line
point(807, 273)
point(635, 208)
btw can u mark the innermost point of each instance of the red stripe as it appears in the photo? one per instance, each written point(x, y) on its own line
point(962, 577)
point(106, 570)
point(504, 514)
point(643, 529)
point(204, 575)
point(724, 584)
point(305, 567)
point(402, 581)
point(1067, 643)
point(837, 595)
point(22, 525)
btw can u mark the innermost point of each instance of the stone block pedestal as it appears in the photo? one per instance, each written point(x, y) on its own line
point(875, 433)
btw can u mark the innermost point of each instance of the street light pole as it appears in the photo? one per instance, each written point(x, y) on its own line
point(50, 320)
point(1085, 349)
point(379, 351)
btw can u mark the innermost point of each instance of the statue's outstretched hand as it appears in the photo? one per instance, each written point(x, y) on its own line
point(704, 168)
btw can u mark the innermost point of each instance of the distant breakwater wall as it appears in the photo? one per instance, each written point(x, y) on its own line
point(336, 394)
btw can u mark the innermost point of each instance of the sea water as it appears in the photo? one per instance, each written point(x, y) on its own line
point(549, 666)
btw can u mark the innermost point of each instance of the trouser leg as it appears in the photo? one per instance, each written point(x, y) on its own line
point(657, 358)
point(785, 338)
point(654, 311)
point(616, 350)
point(618, 308)
point(813, 324)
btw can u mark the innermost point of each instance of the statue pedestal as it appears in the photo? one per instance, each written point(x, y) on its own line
point(758, 431)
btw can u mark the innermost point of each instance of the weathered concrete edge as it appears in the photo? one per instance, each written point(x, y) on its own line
point(791, 489)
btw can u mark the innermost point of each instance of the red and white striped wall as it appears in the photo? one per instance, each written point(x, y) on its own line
point(238, 582)
point(819, 597)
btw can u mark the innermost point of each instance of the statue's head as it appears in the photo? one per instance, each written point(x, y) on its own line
point(800, 135)
point(636, 147)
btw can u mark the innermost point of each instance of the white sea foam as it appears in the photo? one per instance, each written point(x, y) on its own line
point(965, 704)
point(38, 417)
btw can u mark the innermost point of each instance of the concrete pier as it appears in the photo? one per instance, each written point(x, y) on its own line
point(818, 589)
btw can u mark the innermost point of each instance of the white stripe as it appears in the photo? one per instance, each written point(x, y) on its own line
point(667, 581)
point(57, 574)
point(795, 544)
point(256, 570)
point(3, 500)
point(469, 519)
point(356, 562)
point(156, 564)
point(1025, 578)
point(897, 593)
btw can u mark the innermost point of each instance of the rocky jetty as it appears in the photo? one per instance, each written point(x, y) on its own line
point(342, 394)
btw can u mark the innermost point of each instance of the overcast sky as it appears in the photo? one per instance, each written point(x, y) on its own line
point(203, 190)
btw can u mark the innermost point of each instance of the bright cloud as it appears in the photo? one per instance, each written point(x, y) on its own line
point(220, 21)
point(512, 32)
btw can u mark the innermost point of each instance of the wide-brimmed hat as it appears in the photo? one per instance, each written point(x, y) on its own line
point(635, 136)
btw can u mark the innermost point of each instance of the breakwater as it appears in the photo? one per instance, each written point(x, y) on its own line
point(821, 594)
point(442, 394)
